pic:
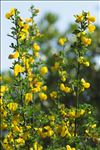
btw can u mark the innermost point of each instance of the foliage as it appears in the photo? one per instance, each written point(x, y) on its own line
point(35, 114)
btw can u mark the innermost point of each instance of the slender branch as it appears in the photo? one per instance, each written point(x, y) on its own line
point(20, 82)
point(77, 88)
point(11, 36)
point(77, 92)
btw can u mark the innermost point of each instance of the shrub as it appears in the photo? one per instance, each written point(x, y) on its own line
point(36, 116)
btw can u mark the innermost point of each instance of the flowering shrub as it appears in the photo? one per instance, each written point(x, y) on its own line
point(36, 116)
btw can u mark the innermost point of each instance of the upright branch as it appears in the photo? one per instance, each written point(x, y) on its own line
point(82, 42)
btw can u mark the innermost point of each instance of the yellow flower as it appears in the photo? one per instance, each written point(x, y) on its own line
point(16, 128)
point(22, 36)
point(68, 147)
point(63, 75)
point(91, 27)
point(36, 54)
point(15, 55)
point(86, 41)
point(31, 60)
point(79, 18)
point(24, 32)
point(36, 47)
point(42, 96)
point(12, 106)
point(28, 97)
point(28, 127)
point(35, 90)
point(26, 64)
point(17, 69)
point(44, 88)
point(15, 120)
point(21, 23)
point(1, 102)
point(46, 131)
point(43, 70)
point(72, 113)
point(3, 126)
point(10, 13)
point(62, 41)
point(49, 131)
point(87, 64)
point(3, 88)
point(20, 141)
point(93, 126)
point(64, 131)
point(62, 87)
point(56, 66)
point(28, 20)
point(90, 18)
point(25, 27)
point(85, 84)
point(37, 146)
point(4, 112)
point(82, 111)
point(65, 88)
point(73, 149)
point(51, 118)
point(38, 84)
point(83, 61)
point(53, 94)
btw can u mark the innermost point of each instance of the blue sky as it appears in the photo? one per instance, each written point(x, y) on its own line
point(65, 9)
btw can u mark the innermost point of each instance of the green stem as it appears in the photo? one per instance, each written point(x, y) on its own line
point(77, 93)
point(77, 88)
point(20, 81)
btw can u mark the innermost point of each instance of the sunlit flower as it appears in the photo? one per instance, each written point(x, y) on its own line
point(90, 18)
point(10, 13)
point(36, 47)
point(68, 147)
point(42, 96)
point(62, 41)
point(53, 94)
point(37, 146)
point(79, 18)
point(14, 55)
point(28, 20)
point(85, 84)
point(86, 41)
point(43, 70)
point(28, 97)
point(17, 69)
point(20, 141)
point(12, 106)
point(91, 28)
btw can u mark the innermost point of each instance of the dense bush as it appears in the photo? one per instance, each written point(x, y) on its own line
point(36, 115)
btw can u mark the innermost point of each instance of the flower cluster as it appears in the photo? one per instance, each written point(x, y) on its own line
point(36, 116)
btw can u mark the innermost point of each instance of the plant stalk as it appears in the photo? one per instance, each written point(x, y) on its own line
point(77, 93)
